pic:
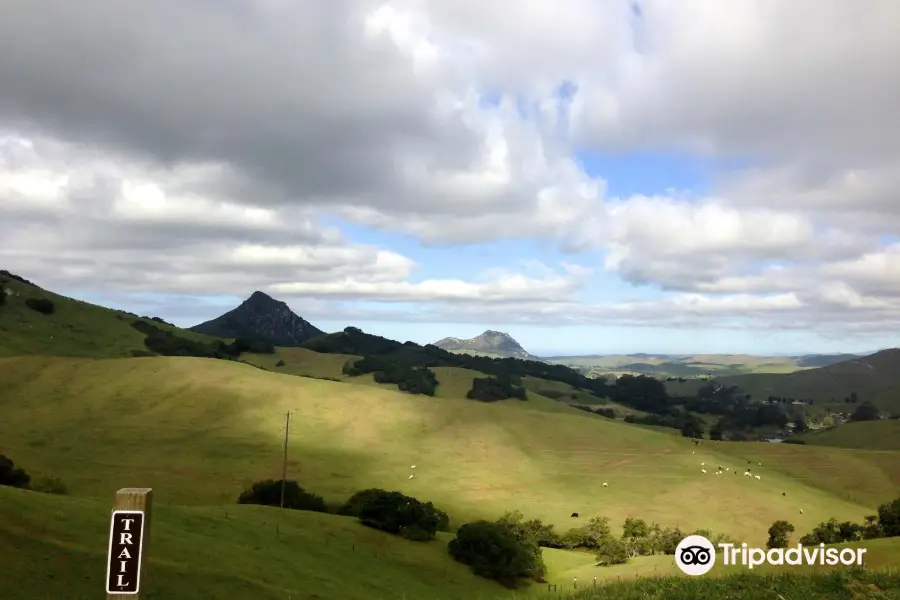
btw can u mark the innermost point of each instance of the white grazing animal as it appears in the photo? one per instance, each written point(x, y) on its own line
point(757, 476)
point(801, 511)
point(746, 473)
point(605, 484)
point(413, 467)
point(704, 470)
point(702, 464)
point(411, 476)
point(760, 464)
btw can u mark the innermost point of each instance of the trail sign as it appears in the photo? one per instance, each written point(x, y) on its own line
point(128, 530)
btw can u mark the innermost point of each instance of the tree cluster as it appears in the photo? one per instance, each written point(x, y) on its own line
point(13, 476)
point(884, 524)
point(492, 389)
point(865, 412)
point(167, 343)
point(408, 378)
point(396, 513)
point(268, 493)
point(354, 341)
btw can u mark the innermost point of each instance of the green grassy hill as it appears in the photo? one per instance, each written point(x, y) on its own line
point(873, 378)
point(207, 428)
point(58, 545)
point(869, 435)
point(199, 431)
point(75, 328)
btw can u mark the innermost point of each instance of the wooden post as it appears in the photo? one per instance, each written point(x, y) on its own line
point(129, 532)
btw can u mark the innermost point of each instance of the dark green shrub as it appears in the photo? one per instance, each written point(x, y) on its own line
point(353, 505)
point(280, 363)
point(493, 551)
point(11, 475)
point(492, 389)
point(268, 493)
point(397, 513)
point(42, 305)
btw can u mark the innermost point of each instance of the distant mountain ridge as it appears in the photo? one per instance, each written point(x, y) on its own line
point(261, 316)
point(489, 343)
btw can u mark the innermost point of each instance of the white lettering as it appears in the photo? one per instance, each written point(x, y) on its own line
point(810, 558)
point(775, 556)
point(859, 553)
point(797, 553)
point(124, 553)
point(120, 582)
point(128, 523)
point(832, 556)
point(822, 554)
point(726, 548)
point(757, 557)
point(848, 556)
point(125, 535)
point(123, 563)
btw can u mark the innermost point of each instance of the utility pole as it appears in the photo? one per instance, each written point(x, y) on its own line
point(287, 427)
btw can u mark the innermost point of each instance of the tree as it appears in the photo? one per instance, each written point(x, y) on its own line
point(11, 475)
point(716, 433)
point(889, 518)
point(800, 424)
point(2, 293)
point(268, 493)
point(493, 551)
point(872, 528)
point(779, 534)
point(692, 429)
point(353, 505)
point(404, 515)
point(865, 412)
point(612, 552)
point(636, 536)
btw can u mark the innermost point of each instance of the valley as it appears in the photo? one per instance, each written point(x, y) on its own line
point(199, 430)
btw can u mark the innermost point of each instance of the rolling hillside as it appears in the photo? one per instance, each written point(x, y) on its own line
point(875, 378)
point(75, 328)
point(696, 365)
point(868, 435)
point(208, 428)
point(311, 556)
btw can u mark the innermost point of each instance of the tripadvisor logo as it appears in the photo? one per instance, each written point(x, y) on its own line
point(696, 555)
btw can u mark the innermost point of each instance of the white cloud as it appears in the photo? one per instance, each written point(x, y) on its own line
point(199, 155)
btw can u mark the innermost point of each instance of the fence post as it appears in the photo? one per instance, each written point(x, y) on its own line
point(129, 532)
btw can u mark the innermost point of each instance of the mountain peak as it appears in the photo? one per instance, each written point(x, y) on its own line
point(490, 343)
point(261, 316)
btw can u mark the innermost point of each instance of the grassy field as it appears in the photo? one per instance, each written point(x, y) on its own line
point(873, 378)
point(567, 566)
point(785, 586)
point(208, 428)
point(58, 545)
point(868, 435)
point(682, 366)
point(76, 328)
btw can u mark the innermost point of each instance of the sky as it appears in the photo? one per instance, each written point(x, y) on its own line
point(589, 176)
